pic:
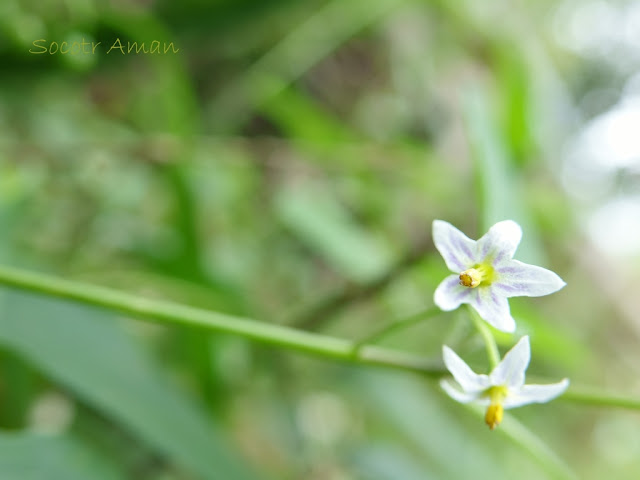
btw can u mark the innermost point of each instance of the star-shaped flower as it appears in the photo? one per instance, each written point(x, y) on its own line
point(486, 274)
point(503, 388)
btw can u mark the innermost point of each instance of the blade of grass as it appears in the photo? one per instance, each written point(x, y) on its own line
point(322, 33)
point(88, 352)
point(498, 183)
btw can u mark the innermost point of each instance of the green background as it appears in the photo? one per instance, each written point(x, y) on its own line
point(285, 165)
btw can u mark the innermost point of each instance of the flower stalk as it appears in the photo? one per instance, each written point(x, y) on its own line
point(491, 346)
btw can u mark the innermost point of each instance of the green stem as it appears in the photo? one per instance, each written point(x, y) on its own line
point(599, 399)
point(279, 336)
point(173, 313)
point(387, 330)
point(490, 342)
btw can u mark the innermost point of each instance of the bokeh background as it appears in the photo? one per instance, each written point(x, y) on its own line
point(286, 165)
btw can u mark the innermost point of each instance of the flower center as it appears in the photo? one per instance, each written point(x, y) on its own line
point(495, 411)
point(477, 275)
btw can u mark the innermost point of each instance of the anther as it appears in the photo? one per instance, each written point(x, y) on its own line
point(471, 278)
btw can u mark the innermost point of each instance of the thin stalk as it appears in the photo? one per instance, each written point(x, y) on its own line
point(599, 399)
point(490, 342)
point(279, 336)
point(176, 314)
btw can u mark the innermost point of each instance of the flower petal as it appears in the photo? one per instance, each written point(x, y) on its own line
point(456, 248)
point(470, 381)
point(493, 308)
point(500, 242)
point(450, 294)
point(510, 371)
point(535, 394)
point(516, 279)
point(454, 392)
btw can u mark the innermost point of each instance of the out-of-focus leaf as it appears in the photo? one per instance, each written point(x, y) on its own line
point(499, 186)
point(535, 446)
point(387, 462)
point(515, 82)
point(449, 444)
point(324, 31)
point(27, 456)
point(323, 224)
point(554, 345)
point(85, 350)
point(301, 118)
point(19, 382)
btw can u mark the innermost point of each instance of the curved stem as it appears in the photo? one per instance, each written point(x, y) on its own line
point(490, 342)
point(599, 399)
point(276, 335)
point(173, 313)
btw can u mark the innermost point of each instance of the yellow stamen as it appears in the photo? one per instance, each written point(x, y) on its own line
point(470, 278)
point(495, 410)
point(475, 276)
point(494, 415)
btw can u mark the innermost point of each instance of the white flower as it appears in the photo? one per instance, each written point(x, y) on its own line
point(503, 388)
point(486, 274)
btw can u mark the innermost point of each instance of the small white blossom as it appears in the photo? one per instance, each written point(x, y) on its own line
point(486, 274)
point(503, 388)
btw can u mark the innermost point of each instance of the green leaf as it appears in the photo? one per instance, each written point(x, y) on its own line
point(533, 445)
point(388, 462)
point(85, 350)
point(300, 117)
point(553, 343)
point(314, 39)
point(28, 456)
point(324, 225)
point(452, 445)
point(500, 189)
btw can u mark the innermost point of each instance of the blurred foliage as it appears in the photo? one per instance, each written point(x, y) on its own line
point(290, 159)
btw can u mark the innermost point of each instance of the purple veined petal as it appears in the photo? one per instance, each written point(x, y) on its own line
point(469, 381)
point(510, 371)
point(517, 279)
point(535, 394)
point(456, 248)
point(500, 242)
point(454, 392)
point(493, 308)
point(450, 294)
